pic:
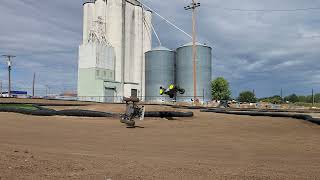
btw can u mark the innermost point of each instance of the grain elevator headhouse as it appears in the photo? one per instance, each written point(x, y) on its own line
point(116, 34)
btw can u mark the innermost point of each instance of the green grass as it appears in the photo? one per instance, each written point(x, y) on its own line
point(18, 106)
point(307, 104)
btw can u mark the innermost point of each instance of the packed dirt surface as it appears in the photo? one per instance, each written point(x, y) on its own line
point(207, 146)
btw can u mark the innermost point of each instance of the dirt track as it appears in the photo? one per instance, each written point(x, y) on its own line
point(208, 146)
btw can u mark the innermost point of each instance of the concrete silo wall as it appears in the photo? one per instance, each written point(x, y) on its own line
point(88, 18)
point(147, 40)
point(114, 24)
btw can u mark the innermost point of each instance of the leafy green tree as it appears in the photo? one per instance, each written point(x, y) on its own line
point(274, 99)
point(308, 99)
point(220, 89)
point(247, 96)
point(265, 99)
point(293, 98)
point(317, 98)
point(302, 99)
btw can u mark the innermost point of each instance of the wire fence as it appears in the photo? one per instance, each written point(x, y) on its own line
point(148, 99)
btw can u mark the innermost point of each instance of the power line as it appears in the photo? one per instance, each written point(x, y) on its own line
point(147, 27)
point(169, 22)
point(40, 53)
point(268, 10)
point(154, 31)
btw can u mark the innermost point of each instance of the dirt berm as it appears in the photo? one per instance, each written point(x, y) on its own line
point(269, 114)
point(87, 113)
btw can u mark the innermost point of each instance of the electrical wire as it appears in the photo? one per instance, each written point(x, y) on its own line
point(268, 10)
point(147, 27)
point(169, 22)
point(154, 31)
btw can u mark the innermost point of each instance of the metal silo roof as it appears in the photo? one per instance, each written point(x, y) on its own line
point(197, 44)
point(161, 48)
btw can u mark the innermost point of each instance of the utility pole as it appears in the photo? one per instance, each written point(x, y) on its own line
point(1, 88)
point(47, 87)
point(193, 7)
point(9, 63)
point(33, 83)
point(312, 97)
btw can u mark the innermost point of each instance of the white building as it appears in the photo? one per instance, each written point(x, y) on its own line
point(116, 34)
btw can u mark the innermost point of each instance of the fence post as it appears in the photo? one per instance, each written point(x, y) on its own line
point(203, 95)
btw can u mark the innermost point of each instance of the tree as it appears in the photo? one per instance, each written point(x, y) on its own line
point(220, 89)
point(274, 99)
point(317, 98)
point(302, 99)
point(247, 96)
point(309, 99)
point(293, 98)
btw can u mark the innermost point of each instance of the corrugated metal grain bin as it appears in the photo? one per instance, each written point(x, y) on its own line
point(159, 72)
point(184, 72)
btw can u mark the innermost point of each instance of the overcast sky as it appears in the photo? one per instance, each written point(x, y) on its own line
point(261, 50)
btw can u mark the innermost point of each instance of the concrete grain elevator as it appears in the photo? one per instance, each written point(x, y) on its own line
point(116, 35)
